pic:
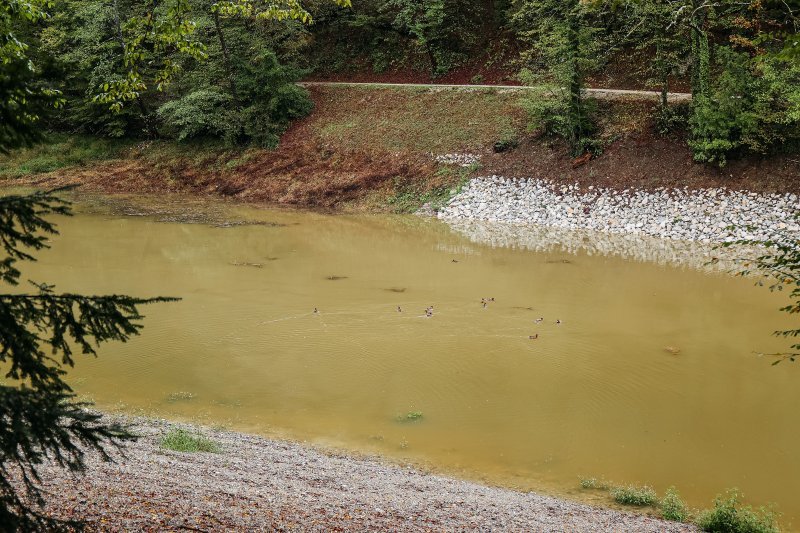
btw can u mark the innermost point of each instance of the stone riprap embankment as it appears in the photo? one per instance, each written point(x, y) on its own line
point(706, 215)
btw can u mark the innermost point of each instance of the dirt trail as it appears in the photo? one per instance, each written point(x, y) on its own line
point(606, 94)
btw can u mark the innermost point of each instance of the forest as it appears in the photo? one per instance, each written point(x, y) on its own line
point(188, 69)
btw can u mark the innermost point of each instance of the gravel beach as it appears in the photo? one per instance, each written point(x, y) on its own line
point(705, 215)
point(258, 484)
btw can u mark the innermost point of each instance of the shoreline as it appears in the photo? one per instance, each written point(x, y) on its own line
point(707, 216)
point(259, 483)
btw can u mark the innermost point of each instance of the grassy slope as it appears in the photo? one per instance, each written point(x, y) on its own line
point(367, 148)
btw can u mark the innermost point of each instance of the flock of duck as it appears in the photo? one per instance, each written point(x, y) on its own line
point(484, 302)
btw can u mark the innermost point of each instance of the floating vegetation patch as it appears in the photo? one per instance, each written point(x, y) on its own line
point(180, 397)
point(411, 416)
point(398, 290)
point(336, 278)
point(558, 262)
point(672, 349)
point(251, 265)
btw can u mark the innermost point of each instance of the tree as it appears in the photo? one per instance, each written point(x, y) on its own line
point(22, 100)
point(564, 49)
point(40, 418)
point(779, 266)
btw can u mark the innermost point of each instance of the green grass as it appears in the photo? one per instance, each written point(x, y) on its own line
point(728, 516)
point(60, 151)
point(673, 507)
point(409, 197)
point(592, 483)
point(417, 120)
point(636, 496)
point(180, 440)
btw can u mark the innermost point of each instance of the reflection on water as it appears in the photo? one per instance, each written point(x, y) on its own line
point(626, 246)
point(650, 377)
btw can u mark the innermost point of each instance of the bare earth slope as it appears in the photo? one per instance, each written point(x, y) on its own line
point(258, 484)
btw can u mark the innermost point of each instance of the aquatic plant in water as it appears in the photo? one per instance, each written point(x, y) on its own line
point(411, 416)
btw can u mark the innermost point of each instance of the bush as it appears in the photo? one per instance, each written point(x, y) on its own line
point(201, 113)
point(753, 107)
point(672, 507)
point(728, 517)
point(594, 484)
point(638, 496)
point(273, 98)
point(180, 440)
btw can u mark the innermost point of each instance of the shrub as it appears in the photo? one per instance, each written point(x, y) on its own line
point(672, 507)
point(728, 517)
point(594, 484)
point(753, 107)
point(180, 440)
point(638, 496)
point(201, 113)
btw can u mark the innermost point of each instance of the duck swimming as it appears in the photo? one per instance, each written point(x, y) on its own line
point(534, 337)
point(539, 320)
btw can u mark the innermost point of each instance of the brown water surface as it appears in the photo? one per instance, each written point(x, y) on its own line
point(650, 378)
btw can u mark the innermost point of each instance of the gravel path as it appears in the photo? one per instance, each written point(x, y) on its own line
point(602, 93)
point(258, 484)
point(706, 215)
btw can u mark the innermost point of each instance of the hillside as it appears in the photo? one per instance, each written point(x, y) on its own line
point(367, 148)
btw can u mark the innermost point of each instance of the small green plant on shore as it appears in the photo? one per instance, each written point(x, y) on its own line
point(409, 198)
point(673, 507)
point(181, 440)
point(728, 516)
point(637, 496)
point(592, 483)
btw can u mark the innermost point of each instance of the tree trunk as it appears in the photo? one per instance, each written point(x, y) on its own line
point(226, 57)
point(432, 58)
point(701, 54)
point(575, 81)
point(149, 127)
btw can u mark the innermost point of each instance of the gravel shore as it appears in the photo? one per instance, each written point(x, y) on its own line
point(258, 484)
point(706, 215)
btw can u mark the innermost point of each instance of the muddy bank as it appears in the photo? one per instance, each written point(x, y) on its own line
point(362, 148)
point(257, 484)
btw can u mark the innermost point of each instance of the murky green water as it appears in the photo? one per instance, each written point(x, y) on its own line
point(598, 395)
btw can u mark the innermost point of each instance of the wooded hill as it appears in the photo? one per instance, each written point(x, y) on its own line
point(187, 69)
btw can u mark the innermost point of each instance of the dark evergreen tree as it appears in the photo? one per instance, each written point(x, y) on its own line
point(40, 417)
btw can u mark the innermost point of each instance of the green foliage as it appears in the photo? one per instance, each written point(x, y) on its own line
point(39, 333)
point(673, 507)
point(564, 50)
point(753, 107)
point(728, 516)
point(181, 440)
point(636, 496)
point(201, 113)
point(671, 118)
point(60, 151)
point(22, 100)
point(411, 416)
point(592, 483)
point(779, 267)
